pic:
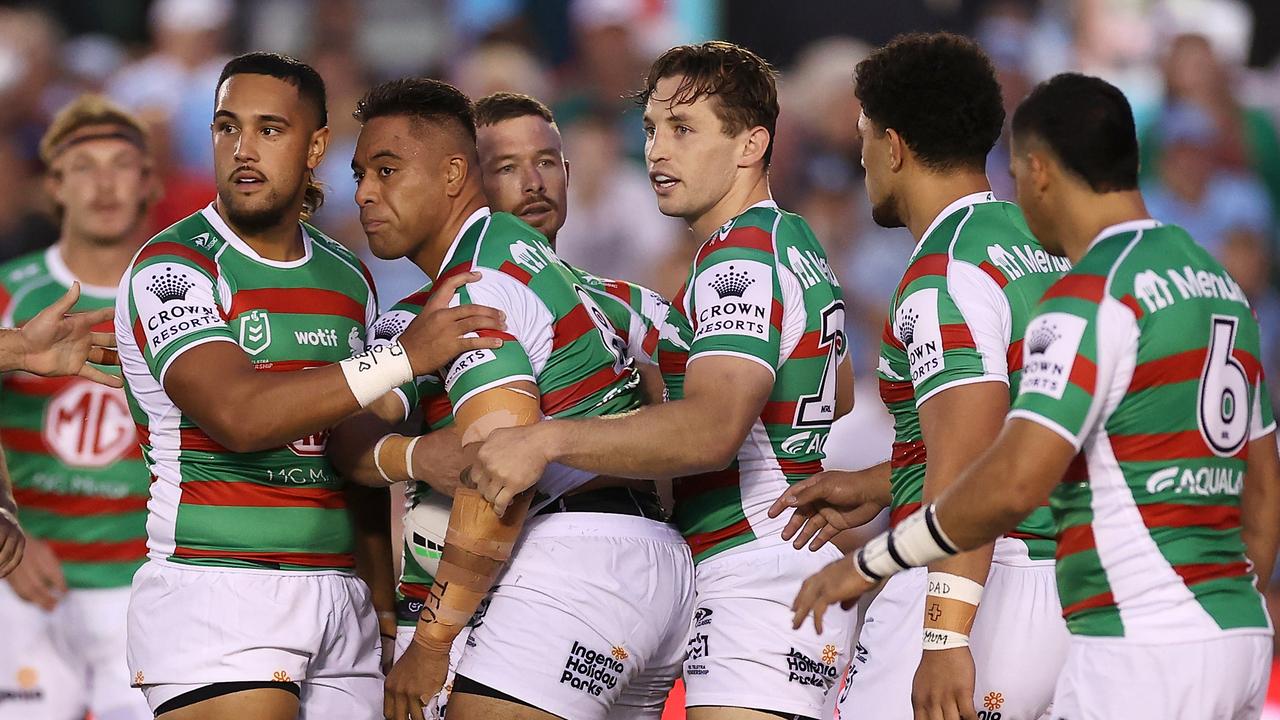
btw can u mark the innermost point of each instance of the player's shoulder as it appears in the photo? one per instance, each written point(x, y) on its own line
point(396, 318)
point(191, 241)
point(346, 259)
point(507, 243)
point(992, 228)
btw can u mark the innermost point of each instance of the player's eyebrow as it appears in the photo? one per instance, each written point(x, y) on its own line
point(516, 156)
point(389, 154)
point(262, 118)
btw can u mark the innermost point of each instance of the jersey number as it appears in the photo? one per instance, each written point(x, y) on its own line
point(1224, 392)
point(614, 344)
point(819, 409)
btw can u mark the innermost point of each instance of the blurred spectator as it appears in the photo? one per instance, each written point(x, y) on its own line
point(1193, 191)
point(502, 66)
point(614, 228)
point(1005, 32)
point(1245, 138)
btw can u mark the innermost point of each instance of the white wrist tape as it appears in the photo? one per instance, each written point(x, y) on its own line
point(408, 456)
point(377, 371)
point(915, 542)
point(935, 639)
point(956, 587)
point(377, 458)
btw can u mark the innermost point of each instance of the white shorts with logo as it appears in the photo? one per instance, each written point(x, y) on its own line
point(55, 665)
point(435, 709)
point(1019, 642)
point(589, 618)
point(193, 627)
point(1220, 679)
point(742, 651)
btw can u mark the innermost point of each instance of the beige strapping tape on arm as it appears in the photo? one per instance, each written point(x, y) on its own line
point(451, 574)
point(487, 423)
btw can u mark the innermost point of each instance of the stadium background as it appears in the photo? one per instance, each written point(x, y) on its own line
point(1203, 76)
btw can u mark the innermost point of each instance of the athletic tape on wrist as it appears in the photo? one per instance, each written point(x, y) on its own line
point(935, 639)
point(450, 574)
point(955, 587)
point(915, 542)
point(408, 457)
point(377, 371)
point(377, 457)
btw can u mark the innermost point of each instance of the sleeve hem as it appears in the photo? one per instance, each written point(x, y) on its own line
point(457, 405)
point(1045, 422)
point(164, 370)
point(986, 377)
point(729, 353)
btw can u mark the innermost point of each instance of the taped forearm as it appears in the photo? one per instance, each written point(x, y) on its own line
point(477, 545)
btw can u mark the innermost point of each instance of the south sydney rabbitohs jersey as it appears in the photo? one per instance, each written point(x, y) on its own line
point(73, 455)
point(196, 283)
point(1146, 358)
point(958, 317)
point(761, 289)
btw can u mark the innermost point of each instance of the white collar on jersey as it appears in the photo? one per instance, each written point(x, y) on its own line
point(985, 196)
point(1124, 227)
point(60, 272)
point(211, 215)
point(476, 217)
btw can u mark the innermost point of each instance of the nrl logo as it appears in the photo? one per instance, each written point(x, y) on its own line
point(255, 332)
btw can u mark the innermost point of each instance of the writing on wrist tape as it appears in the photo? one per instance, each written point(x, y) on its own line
point(377, 371)
point(936, 639)
point(917, 541)
point(955, 587)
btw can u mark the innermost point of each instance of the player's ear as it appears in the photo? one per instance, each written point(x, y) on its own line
point(753, 150)
point(897, 149)
point(319, 144)
point(566, 174)
point(455, 178)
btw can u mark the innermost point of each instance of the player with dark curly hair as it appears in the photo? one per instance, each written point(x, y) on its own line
point(950, 361)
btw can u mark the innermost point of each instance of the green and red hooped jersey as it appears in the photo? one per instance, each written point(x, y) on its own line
point(197, 282)
point(958, 317)
point(760, 289)
point(576, 336)
point(1146, 358)
point(70, 444)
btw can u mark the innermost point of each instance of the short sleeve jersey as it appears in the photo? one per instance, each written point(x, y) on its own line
point(70, 444)
point(958, 317)
point(196, 283)
point(1146, 357)
point(761, 290)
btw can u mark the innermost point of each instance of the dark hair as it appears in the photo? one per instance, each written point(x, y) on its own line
point(310, 88)
point(1088, 124)
point(743, 82)
point(939, 92)
point(493, 109)
point(419, 98)
point(282, 67)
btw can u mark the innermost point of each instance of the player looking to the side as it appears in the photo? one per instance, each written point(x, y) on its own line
point(950, 364)
point(766, 375)
point(238, 328)
point(597, 581)
point(1144, 357)
point(77, 472)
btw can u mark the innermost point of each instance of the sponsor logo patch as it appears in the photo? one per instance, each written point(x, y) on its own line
point(916, 325)
point(88, 425)
point(804, 670)
point(1052, 341)
point(166, 307)
point(592, 672)
point(465, 362)
point(734, 297)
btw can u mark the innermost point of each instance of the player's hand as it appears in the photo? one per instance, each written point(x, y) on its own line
point(943, 688)
point(838, 582)
point(510, 461)
point(387, 627)
point(417, 677)
point(12, 541)
point(55, 343)
point(441, 333)
point(38, 578)
point(831, 502)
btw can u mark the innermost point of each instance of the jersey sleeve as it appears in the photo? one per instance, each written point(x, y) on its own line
point(527, 345)
point(174, 305)
point(1071, 351)
point(1264, 419)
point(734, 300)
point(955, 330)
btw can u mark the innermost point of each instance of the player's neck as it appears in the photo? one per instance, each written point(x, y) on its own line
point(96, 263)
point(734, 203)
point(927, 196)
point(431, 256)
point(280, 242)
point(1086, 214)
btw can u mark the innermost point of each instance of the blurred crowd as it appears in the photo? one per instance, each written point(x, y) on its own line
point(1206, 94)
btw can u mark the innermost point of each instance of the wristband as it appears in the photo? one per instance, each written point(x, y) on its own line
point(377, 458)
point(377, 371)
point(408, 457)
point(918, 540)
point(935, 639)
point(955, 587)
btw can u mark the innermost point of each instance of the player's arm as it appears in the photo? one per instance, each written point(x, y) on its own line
point(216, 385)
point(370, 510)
point(12, 539)
point(1260, 506)
point(56, 343)
point(844, 386)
